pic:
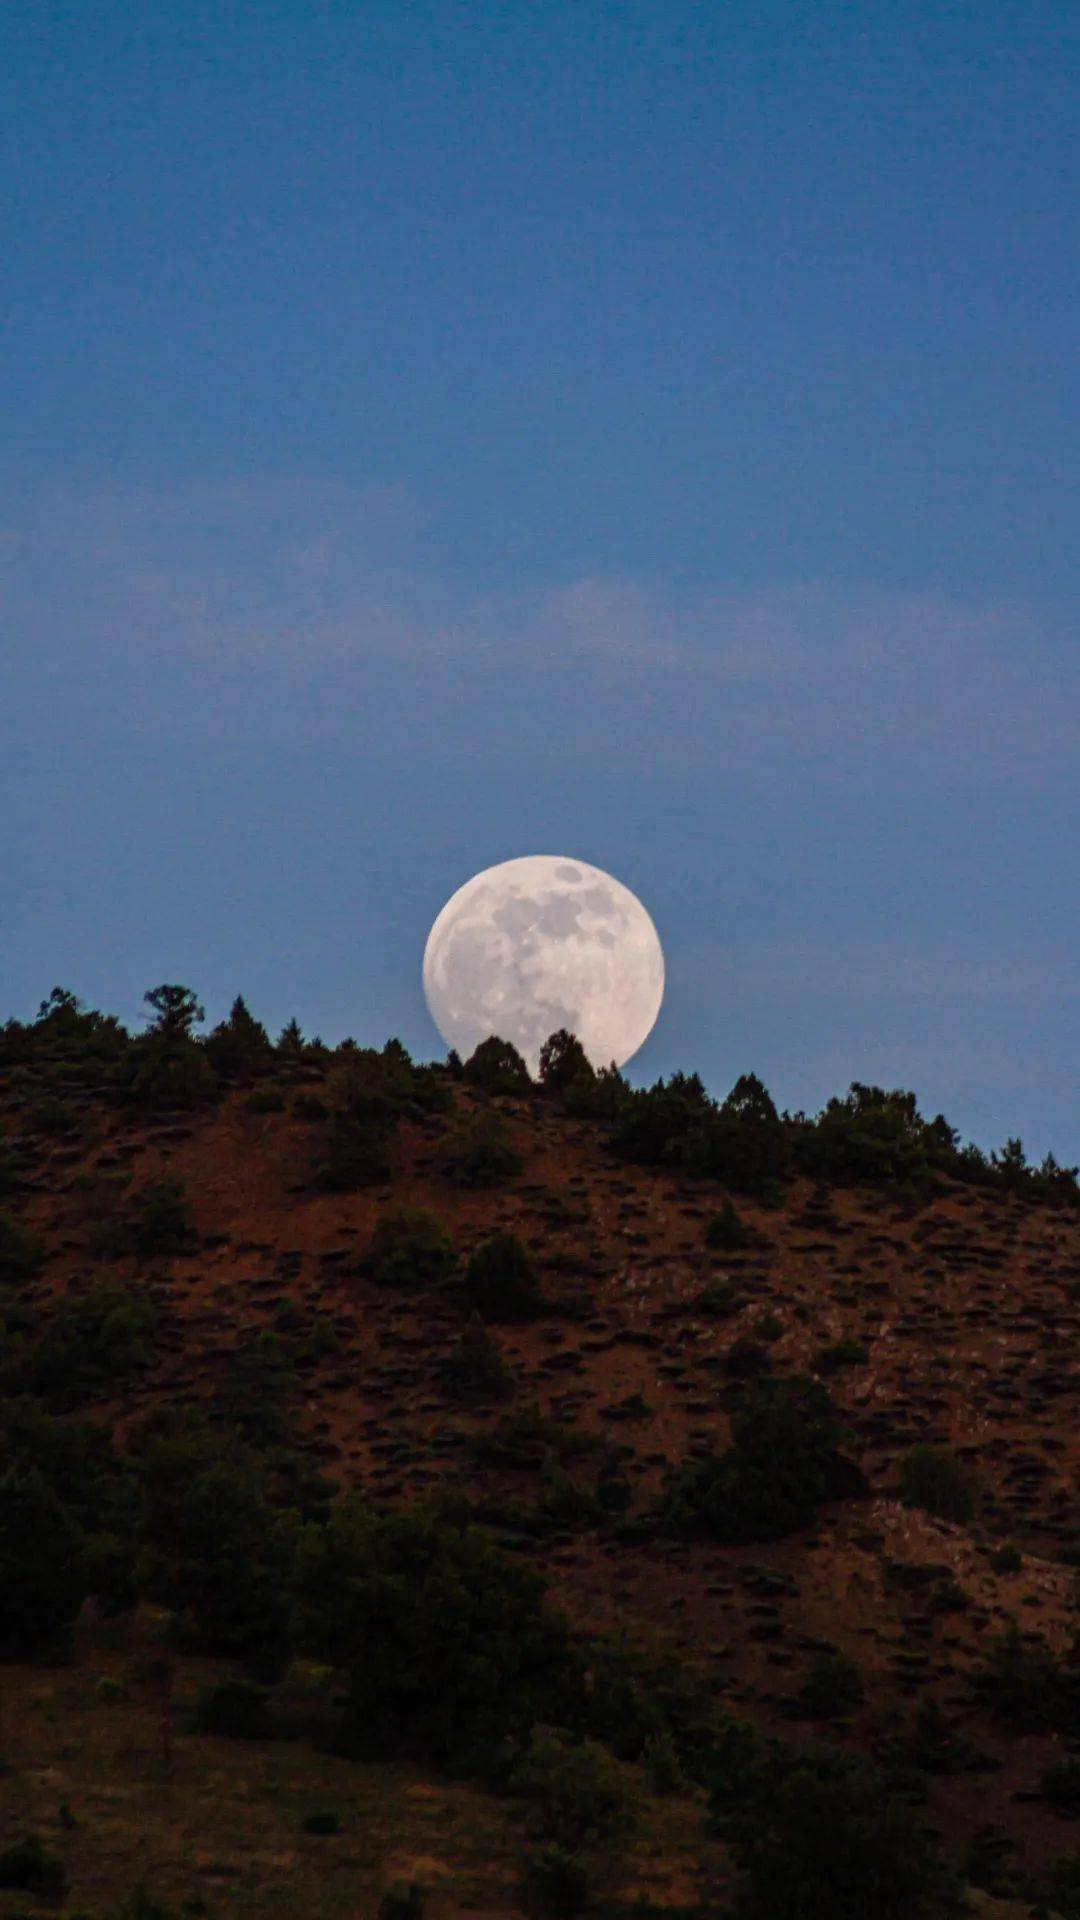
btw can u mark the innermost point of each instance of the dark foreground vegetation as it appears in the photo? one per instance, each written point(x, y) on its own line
point(206, 1531)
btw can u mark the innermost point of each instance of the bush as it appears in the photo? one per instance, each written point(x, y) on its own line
point(160, 1220)
point(726, 1231)
point(1060, 1785)
point(309, 1106)
point(1006, 1559)
point(323, 1822)
point(554, 1883)
point(1025, 1687)
point(43, 1573)
point(783, 1462)
point(217, 1552)
point(402, 1903)
point(445, 1644)
point(1060, 1887)
point(838, 1357)
point(410, 1248)
point(354, 1154)
point(526, 1438)
point(824, 1840)
point(478, 1154)
point(90, 1345)
point(497, 1067)
point(475, 1371)
point(832, 1688)
point(596, 1096)
point(94, 1490)
point(28, 1867)
point(21, 1253)
point(501, 1281)
point(234, 1707)
point(934, 1481)
point(575, 1791)
point(265, 1100)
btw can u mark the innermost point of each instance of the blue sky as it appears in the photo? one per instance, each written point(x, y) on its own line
point(439, 432)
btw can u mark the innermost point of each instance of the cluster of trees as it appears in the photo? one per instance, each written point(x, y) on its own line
point(446, 1648)
point(871, 1136)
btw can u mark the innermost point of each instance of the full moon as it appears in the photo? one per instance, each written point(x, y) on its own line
point(541, 943)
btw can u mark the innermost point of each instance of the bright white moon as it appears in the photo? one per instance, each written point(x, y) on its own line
point(540, 943)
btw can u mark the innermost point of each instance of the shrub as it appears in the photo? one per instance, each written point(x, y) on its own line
point(832, 1688)
point(265, 1100)
point(309, 1106)
point(445, 1644)
point(256, 1390)
point(1060, 1785)
point(402, 1903)
point(217, 1552)
point(720, 1300)
point(95, 1492)
point(1006, 1559)
point(824, 1840)
point(501, 1281)
point(526, 1438)
point(596, 1096)
point(42, 1570)
point(935, 1482)
point(51, 1116)
point(235, 1707)
point(575, 1791)
point(783, 1461)
point(354, 1154)
point(497, 1067)
point(1060, 1887)
point(475, 1371)
point(28, 1867)
point(839, 1356)
point(478, 1154)
point(90, 1344)
point(21, 1253)
point(554, 1883)
point(323, 1822)
point(727, 1231)
point(410, 1248)
point(160, 1220)
point(1024, 1686)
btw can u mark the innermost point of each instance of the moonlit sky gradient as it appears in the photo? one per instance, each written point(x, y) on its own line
point(437, 431)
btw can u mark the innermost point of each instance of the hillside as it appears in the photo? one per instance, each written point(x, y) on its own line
point(941, 1312)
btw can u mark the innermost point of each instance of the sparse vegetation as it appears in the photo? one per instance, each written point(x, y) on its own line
point(784, 1460)
point(501, 1281)
point(364, 1349)
point(478, 1153)
point(931, 1478)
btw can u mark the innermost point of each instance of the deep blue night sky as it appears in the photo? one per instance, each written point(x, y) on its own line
point(438, 432)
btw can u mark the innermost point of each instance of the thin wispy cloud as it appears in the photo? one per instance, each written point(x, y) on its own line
point(308, 585)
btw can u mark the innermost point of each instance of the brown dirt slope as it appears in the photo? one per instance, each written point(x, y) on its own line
point(967, 1310)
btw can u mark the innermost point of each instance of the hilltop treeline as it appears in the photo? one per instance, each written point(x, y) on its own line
point(871, 1136)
